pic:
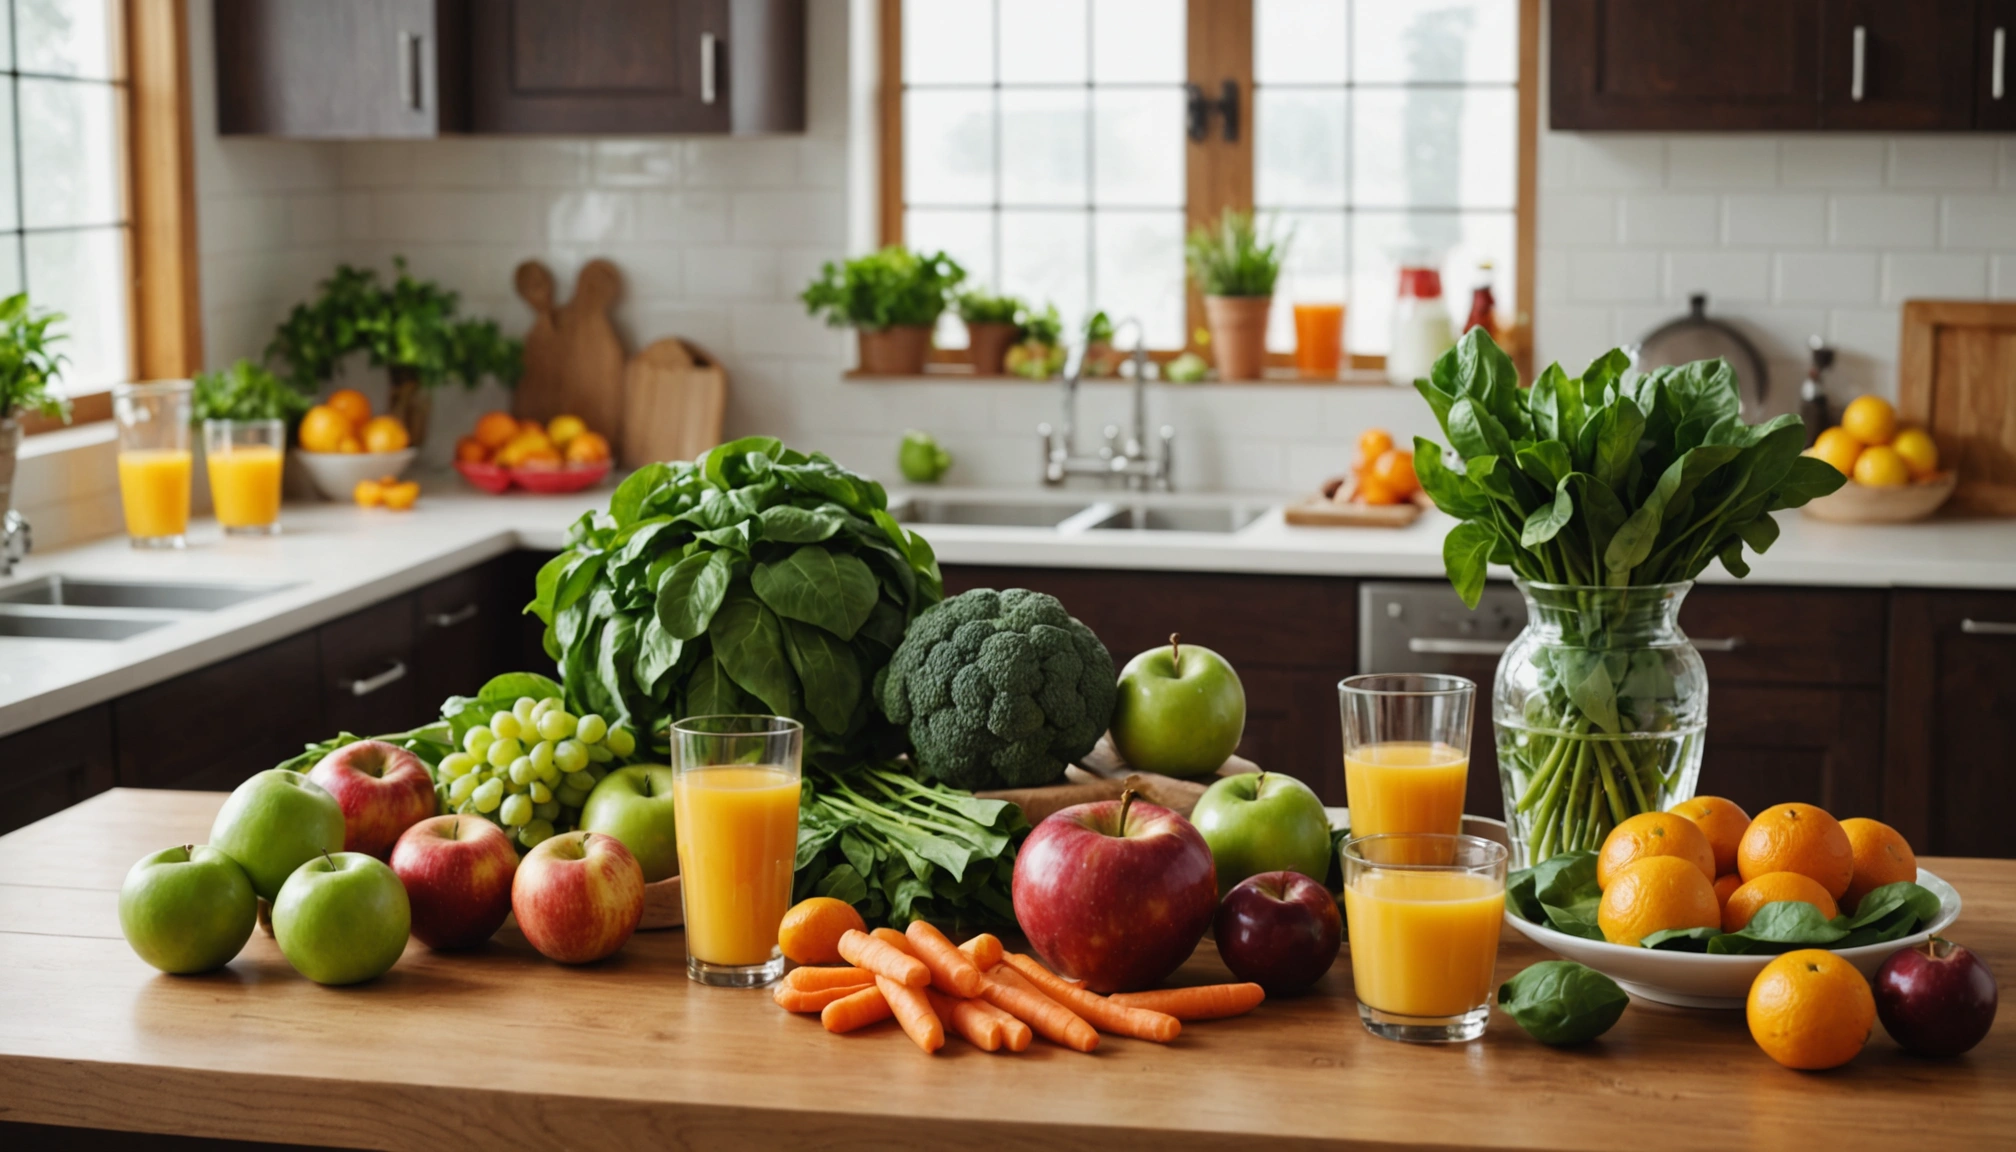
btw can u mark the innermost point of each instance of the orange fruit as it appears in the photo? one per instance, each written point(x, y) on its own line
point(587, 448)
point(1654, 894)
point(350, 445)
point(1810, 1009)
point(1870, 420)
point(1882, 856)
point(1881, 467)
point(368, 493)
point(351, 403)
point(522, 445)
point(399, 497)
point(495, 429)
point(546, 457)
point(385, 434)
point(1725, 886)
point(1837, 448)
point(811, 931)
point(1722, 821)
point(1918, 451)
point(1771, 888)
point(1373, 443)
point(565, 428)
point(323, 429)
point(1654, 834)
point(1395, 469)
point(470, 450)
point(1798, 838)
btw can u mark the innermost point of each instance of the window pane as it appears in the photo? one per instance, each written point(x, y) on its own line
point(1314, 272)
point(1043, 257)
point(1460, 239)
point(69, 152)
point(1298, 146)
point(1433, 147)
point(948, 147)
point(965, 235)
point(10, 209)
point(1300, 41)
point(82, 274)
point(1043, 146)
point(1138, 42)
point(1139, 137)
point(1043, 42)
point(67, 37)
point(948, 42)
point(1468, 41)
point(10, 265)
point(1138, 272)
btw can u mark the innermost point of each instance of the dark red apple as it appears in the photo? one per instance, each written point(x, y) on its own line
point(457, 871)
point(1115, 893)
point(1279, 930)
point(1937, 999)
point(383, 790)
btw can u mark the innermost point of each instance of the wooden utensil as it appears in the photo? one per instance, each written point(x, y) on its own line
point(573, 356)
point(1957, 378)
point(1319, 512)
point(675, 396)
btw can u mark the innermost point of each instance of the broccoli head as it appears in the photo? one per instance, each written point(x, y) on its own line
point(999, 689)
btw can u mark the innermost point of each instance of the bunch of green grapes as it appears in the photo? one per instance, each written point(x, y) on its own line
point(530, 769)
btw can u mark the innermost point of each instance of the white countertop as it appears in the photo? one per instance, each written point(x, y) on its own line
point(336, 558)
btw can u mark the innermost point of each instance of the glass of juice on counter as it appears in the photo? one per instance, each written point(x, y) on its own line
point(1406, 751)
point(1319, 340)
point(1423, 913)
point(154, 460)
point(243, 458)
point(735, 808)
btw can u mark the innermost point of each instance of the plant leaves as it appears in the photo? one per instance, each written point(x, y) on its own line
point(827, 671)
point(787, 524)
point(1451, 491)
point(1562, 1002)
point(658, 653)
point(709, 692)
point(1466, 555)
point(692, 592)
point(1473, 431)
point(748, 641)
point(833, 590)
point(1547, 523)
point(626, 506)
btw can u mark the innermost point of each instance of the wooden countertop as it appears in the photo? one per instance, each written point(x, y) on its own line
point(502, 1047)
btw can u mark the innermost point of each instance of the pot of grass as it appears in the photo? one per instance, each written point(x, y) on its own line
point(891, 299)
point(992, 325)
point(1235, 264)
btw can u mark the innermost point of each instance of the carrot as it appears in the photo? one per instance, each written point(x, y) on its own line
point(1006, 989)
point(985, 950)
point(1015, 1035)
point(882, 958)
point(894, 939)
point(1202, 1002)
point(858, 1010)
point(913, 1012)
point(1101, 1013)
point(796, 1000)
point(814, 979)
point(952, 971)
point(970, 1019)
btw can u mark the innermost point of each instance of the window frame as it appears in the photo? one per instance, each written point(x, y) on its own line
point(1219, 173)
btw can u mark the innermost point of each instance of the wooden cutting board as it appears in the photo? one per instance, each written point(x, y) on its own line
point(573, 357)
point(675, 397)
point(1957, 378)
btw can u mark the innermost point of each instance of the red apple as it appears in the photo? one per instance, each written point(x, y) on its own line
point(457, 871)
point(1279, 930)
point(383, 789)
point(578, 896)
point(1115, 893)
point(1937, 999)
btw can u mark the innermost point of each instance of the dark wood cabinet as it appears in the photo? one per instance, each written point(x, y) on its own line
point(212, 728)
point(367, 679)
point(464, 630)
point(352, 69)
point(51, 766)
point(1994, 81)
point(1891, 65)
point(1951, 739)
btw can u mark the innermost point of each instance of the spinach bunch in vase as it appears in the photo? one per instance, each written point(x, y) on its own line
point(1606, 494)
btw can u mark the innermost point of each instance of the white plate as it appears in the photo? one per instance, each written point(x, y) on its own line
point(336, 473)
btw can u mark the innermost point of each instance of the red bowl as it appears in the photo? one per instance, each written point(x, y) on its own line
point(550, 481)
point(492, 478)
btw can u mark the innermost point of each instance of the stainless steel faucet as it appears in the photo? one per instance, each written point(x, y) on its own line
point(15, 541)
point(1129, 461)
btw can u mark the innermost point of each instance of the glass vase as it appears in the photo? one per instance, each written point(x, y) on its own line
point(1600, 707)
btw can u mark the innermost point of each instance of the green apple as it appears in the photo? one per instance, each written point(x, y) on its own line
point(274, 823)
point(342, 918)
point(187, 909)
point(1181, 710)
point(1263, 822)
point(634, 805)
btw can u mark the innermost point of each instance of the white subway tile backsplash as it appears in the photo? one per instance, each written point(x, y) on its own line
point(1721, 162)
point(1883, 221)
point(1831, 162)
point(683, 217)
point(591, 217)
point(789, 218)
point(1688, 220)
point(779, 329)
point(728, 163)
point(1609, 277)
point(1779, 332)
point(1577, 220)
point(1826, 278)
point(1943, 162)
point(1979, 222)
point(2002, 277)
point(1945, 275)
point(547, 163)
point(636, 163)
point(1870, 333)
point(1619, 161)
point(749, 273)
point(1780, 221)
point(1573, 335)
point(1723, 276)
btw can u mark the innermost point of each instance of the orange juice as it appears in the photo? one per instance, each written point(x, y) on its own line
point(1319, 340)
point(1405, 786)
point(154, 487)
point(738, 838)
point(245, 486)
point(1423, 943)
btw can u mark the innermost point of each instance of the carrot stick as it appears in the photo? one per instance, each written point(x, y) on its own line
point(797, 1000)
point(952, 971)
point(813, 979)
point(882, 958)
point(894, 939)
point(970, 1019)
point(1101, 1013)
point(913, 1012)
point(1015, 1035)
point(858, 1010)
point(1006, 989)
point(985, 950)
point(1203, 1002)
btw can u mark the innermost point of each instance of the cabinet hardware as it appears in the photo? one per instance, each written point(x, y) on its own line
point(1438, 646)
point(707, 67)
point(370, 684)
point(410, 87)
point(1200, 110)
point(1861, 50)
point(461, 615)
point(1713, 644)
point(1995, 69)
point(1974, 627)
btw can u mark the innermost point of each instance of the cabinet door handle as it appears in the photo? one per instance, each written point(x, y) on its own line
point(707, 54)
point(410, 88)
point(1441, 646)
point(370, 684)
point(1974, 627)
point(1855, 76)
point(1721, 644)
point(1995, 70)
point(461, 615)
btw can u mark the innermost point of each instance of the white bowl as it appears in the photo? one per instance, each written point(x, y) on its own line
point(336, 473)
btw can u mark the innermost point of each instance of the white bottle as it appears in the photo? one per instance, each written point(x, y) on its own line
point(1421, 327)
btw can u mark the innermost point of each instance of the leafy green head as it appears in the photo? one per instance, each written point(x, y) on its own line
point(246, 391)
point(29, 370)
point(884, 289)
point(1237, 257)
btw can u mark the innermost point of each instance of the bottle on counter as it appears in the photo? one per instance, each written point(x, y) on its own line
point(1813, 390)
point(1421, 325)
point(1483, 306)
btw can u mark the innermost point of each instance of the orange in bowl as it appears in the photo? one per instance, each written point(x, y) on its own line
point(385, 434)
point(1722, 821)
point(323, 429)
point(351, 403)
point(1774, 888)
point(1650, 834)
point(495, 429)
point(1882, 856)
point(587, 448)
point(1654, 894)
point(1798, 838)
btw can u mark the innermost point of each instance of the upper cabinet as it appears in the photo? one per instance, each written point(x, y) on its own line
point(389, 68)
point(1777, 65)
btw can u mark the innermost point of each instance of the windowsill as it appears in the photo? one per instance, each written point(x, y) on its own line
point(951, 373)
point(68, 439)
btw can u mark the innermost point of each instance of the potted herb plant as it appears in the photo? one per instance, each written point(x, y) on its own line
point(1235, 265)
point(409, 327)
point(892, 298)
point(28, 372)
point(1040, 353)
point(992, 324)
point(1606, 494)
point(1100, 357)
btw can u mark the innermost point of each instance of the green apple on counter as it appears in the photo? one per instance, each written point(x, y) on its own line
point(275, 822)
point(187, 909)
point(1263, 822)
point(1181, 710)
point(634, 805)
point(342, 918)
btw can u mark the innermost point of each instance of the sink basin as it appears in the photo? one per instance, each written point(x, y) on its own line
point(75, 626)
point(68, 592)
point(1222, 518)
point(991, 513)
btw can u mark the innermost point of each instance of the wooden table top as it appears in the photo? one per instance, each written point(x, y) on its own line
point(503, 1047)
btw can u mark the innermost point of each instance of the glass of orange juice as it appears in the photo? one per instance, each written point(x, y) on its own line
point(1423, 912)
point(735, 811)
point(243, 458)
point(1319, 340)
point(1406, 751)
point(154, 460)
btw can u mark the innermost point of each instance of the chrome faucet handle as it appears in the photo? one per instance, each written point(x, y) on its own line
point(1165, 468)
point(16, 540)
point(1111, 447)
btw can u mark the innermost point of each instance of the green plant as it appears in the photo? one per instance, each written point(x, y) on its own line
point(1045, 327)
point(1098, 328)
point(246, 391)
point(892, 287)
point(987, 308)
point(1236, 258)
point(28, 369)
point(999, 689)
point(1562, 1002)
point(409, 327)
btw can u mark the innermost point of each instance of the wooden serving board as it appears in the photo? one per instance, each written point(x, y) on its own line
point(573, 355)
point(1957, 379)
point(675, 397)
point(1320, 512)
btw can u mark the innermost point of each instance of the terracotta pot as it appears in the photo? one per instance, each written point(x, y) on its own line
point(987, 346)
point(1238, 334)
point(897, 350)
point(10, 445)
point(411, 403)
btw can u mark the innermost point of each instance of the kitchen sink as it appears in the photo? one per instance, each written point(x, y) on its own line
point(76, 626)
point(989, 513)
point(69, 592)
point(1224, 518)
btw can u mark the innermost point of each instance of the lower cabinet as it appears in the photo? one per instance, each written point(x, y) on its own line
point(212, 728)
point(52, 766)
point(1952, 721)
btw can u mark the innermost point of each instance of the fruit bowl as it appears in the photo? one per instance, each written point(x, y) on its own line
point(336, 474)
point(1698, 980)
point(1854, 503)
point(496, 479)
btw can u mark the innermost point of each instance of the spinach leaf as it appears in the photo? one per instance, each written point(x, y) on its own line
point(827, 669)
point(692, 591)
point(1562, 1002)
point(748, 640)
point(1466, 553)
point(833, 590)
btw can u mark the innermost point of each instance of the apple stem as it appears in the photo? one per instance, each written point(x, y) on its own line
point(1176, 652)
point(1126, 802)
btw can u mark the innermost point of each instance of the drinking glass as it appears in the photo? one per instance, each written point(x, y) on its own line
point(1319, 340)
point(1406, 751)
point(735, 808)
point(244, 458)
point(1423, 912)
point(154, 460)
